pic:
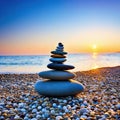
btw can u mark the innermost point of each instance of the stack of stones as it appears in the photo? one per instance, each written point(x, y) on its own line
point(58, 81)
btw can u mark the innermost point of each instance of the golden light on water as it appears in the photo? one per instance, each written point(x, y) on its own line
point(94, 55)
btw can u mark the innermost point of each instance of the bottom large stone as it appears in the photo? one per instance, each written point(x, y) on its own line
point(58, 88)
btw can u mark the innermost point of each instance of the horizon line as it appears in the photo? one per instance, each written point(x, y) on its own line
point(50, 53)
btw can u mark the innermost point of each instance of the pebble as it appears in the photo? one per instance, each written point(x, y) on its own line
point(1, 117)
point(38, 116)
point(23, 103)
point(39, 107)
point(20, 105)
point(64, 107)
point(23, 110)
point(59, 107)
point(118, 106)
point(64, 101)
point(54, 105)
point(34, 110)
point(52, 112)
point(83, 117)
point(59, 117)
point(83, 110)
point(16, 117)
point(45, 115)
point(33, 106)
point(81, 100)
point(85, 103)
point(26, 118)
point(33, 119)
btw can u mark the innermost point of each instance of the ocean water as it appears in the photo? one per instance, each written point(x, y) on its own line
point(37, 63)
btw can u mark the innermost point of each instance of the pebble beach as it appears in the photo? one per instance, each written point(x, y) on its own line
point(99, 101)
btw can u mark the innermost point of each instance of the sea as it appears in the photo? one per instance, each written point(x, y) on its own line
point(37, 63)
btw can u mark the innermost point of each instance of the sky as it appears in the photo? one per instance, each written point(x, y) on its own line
point(32, 27)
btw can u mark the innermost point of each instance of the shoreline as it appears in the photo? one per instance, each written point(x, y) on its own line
point(1, 73)
point(100, 99)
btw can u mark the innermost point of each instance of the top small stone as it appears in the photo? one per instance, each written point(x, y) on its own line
point(60, 44)
point(59, 50)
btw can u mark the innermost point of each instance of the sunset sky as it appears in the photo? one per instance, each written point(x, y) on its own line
point(30, 27)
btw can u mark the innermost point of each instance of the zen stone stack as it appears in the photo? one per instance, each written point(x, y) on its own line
point(58, 82)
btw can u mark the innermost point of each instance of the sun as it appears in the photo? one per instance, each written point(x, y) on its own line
point(94, 46)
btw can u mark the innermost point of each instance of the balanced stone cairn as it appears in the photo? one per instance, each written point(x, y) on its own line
point(58, 82)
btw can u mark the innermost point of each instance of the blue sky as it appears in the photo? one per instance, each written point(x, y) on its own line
point(60, 20)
